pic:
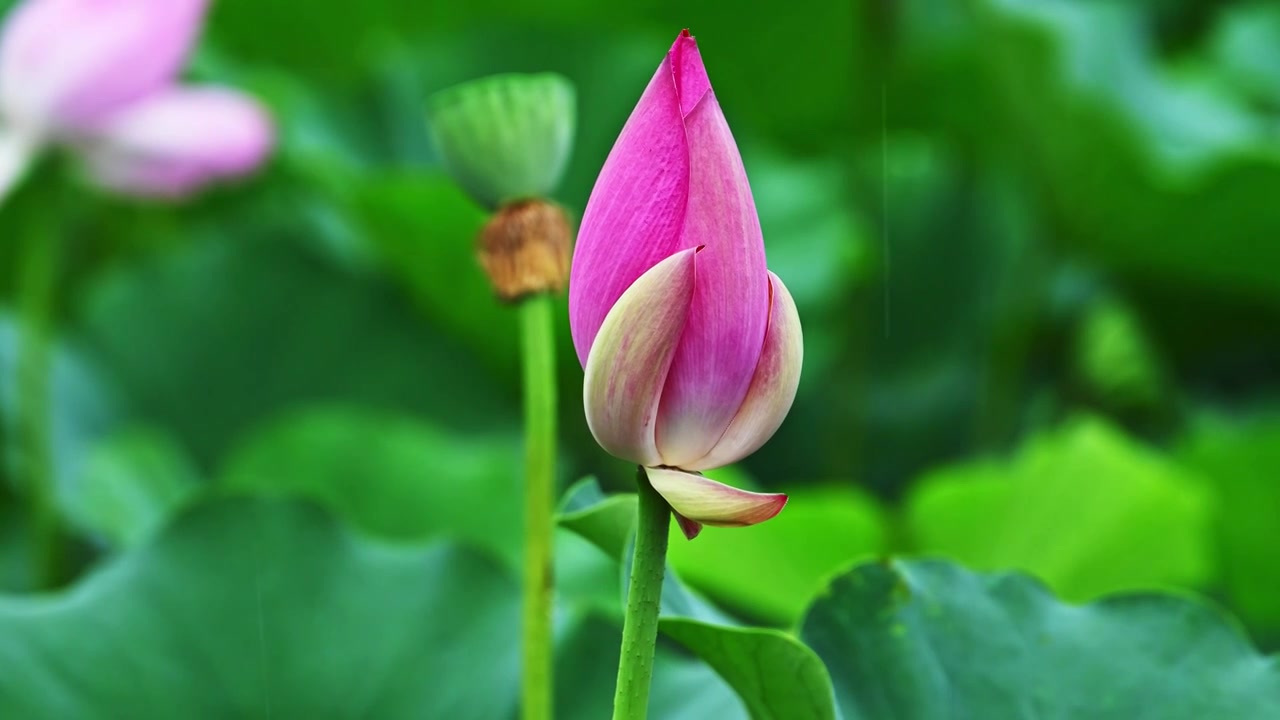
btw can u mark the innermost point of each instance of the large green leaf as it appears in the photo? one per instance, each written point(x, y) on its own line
point(1084, 508)
point(1245, 47)
point(250, 326)
point(264, 609)
point(400, 479)
point(16, 568)
point(1241, 464)
point(586, 579)
point(1134, 158)
point(608, 523)
point(794, 684)
point(389, 475)
point(130, 485)
point(84, 407)
point(821, 531)
point(1174, 158)
point(260, 608)
point(924, 640)
point(684, 688)
point(778, 678)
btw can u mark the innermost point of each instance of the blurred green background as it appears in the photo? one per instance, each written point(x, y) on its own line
point(1035, 247)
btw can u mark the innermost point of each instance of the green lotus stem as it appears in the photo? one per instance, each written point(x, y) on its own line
point(537, 340)
point(37, 290)
point(644, 597)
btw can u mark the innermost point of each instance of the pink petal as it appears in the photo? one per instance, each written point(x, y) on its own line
point(725, 331)
point(65, 63)
point(773, 387)
point(690, 528)
point(174, 142)
point(630, 356)
point(688, 72)
point(636, 214)
point(706, 501)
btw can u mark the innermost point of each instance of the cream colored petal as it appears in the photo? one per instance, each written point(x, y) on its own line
point(773, 387)
point(628, 362)
point(703, 500)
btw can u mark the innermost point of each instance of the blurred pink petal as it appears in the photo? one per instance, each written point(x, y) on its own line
point(630, 356)
point(176, 141)
point(702, 500)
point(64, 64)
point(773, 386)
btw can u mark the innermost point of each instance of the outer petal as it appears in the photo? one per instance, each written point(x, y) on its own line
point(64, 63)
point(172, 143)
point(636, 214)
point(690, 528)
point(721, 346)
point(628, 362)
point(706, 501)
point(773, 387)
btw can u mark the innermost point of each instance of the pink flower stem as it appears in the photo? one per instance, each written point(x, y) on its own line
point(644, 599)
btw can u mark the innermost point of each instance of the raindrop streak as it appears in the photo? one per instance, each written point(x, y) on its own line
point(884, 194)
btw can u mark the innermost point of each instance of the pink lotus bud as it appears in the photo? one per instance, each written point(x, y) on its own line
point(64, 64)
point(178, 140)
point(692, 348)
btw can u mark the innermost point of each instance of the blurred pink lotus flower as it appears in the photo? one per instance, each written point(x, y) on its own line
point(154, 151)
point(98, 76)
point(692, 348)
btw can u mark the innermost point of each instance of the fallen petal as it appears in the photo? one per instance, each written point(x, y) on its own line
point(628, 362)
point(773, 387)
point(702, 500)
point(177, 141)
